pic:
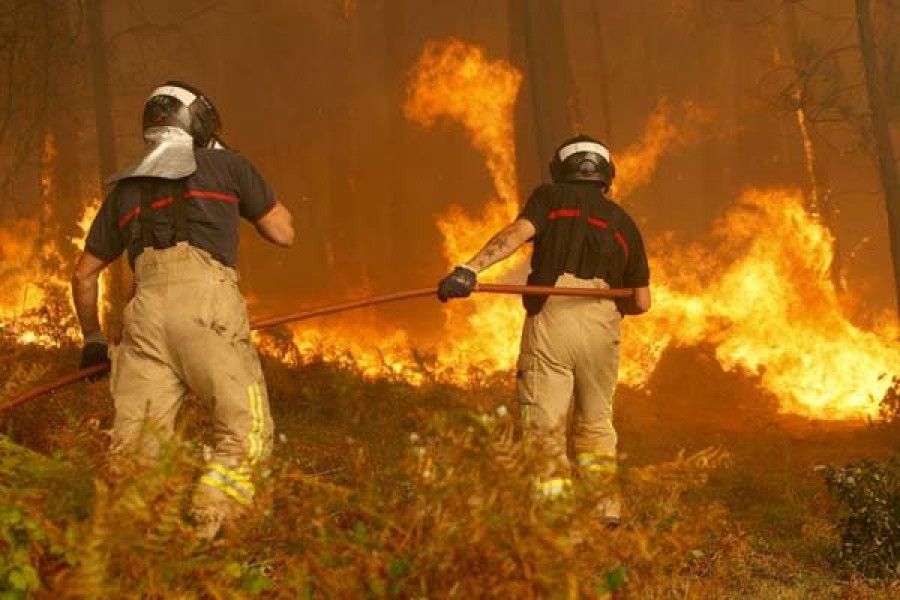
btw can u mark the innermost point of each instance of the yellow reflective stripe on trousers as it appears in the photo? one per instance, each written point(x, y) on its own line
point(553, 488)
point(594, 462)
point(236, 483)
point(229, 481)
point(258, 423)
point(212, 480)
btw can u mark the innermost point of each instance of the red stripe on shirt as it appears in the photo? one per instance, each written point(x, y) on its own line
point(161, 202)
point(564, 212)
point(598, 222)
point(621, 239)
point(166, 201)
point(209, 195)
point(125, 220)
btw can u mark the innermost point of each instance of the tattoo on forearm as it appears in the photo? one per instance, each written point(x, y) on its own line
point(496, 249)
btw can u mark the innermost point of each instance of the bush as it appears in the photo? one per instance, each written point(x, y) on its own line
point(869, 493)
point(451, 514)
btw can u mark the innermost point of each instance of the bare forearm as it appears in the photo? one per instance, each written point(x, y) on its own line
point(277, 226)
point(501, 246)
point(85, 293)
point(637, 304)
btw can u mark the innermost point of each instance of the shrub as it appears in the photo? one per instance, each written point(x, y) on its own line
point(454, 515)
point(869, 493)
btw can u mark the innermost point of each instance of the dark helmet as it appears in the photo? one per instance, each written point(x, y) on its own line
point(177, 104)
point(582, 158)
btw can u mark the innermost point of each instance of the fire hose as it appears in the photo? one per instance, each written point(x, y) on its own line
point(331, 309)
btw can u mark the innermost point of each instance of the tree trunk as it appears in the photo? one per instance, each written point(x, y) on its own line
point(396, 63)
point(820, 202)
point(884, 148)
point(68, 198)
point(548, 103)
point(349, 269)
point(605, 95)
point(106, 141)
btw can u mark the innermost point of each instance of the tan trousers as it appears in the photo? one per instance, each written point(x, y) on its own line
point(571, 350)
point(187, 328)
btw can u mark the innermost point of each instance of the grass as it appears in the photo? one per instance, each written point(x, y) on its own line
point(380, 489)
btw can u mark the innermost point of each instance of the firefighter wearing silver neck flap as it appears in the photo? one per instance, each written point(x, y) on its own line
point(570, 345)
point(175, 211)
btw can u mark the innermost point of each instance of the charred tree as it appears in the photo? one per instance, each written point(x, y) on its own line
point(603, 63)
point(346, 229)
point(63, 122)
point(819, 200)
point(106, 141)
point(27, 47)
point(884, 147)
point(396, 63)
point(548, 105)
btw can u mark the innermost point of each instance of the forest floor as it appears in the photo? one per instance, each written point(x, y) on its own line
point(382, 489)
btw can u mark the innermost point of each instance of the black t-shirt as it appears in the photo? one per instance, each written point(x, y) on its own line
point(224, 188)
point(580, 231)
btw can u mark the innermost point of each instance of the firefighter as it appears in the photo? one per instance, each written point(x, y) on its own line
point(176, 213)
point(570, 346)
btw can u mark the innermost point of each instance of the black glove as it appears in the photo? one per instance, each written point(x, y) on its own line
point(95, 353)
point(458, 284)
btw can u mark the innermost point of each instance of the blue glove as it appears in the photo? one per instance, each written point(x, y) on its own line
point(458, 284)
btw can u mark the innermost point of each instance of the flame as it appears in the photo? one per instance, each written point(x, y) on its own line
point(756, 290)
point(88, 212)
point(28, 264)
point(638, 162)
point(456, 81)
point(765, 300)
point(348, 343)
point(34, 270)
point(29, 270)
point(17, 251)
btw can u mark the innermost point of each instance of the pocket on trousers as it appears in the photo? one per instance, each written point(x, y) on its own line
point(112, 352)
point(525, 376)
point(524, 364)
point(525, 387)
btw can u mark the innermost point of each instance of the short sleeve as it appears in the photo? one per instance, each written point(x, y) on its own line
point(256, 197)
point(637, 269)
point(536, 209)
point(104, 239)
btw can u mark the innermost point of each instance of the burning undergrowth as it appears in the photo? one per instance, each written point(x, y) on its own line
point(35, 266)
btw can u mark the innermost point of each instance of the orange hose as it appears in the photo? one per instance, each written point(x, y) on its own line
point(485, 288)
